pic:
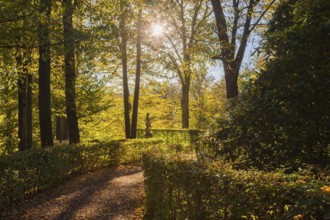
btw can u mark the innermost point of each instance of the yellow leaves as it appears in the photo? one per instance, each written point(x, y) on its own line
point(298, 217)
point(217, 188)
point(326, 190)
point(261, 64)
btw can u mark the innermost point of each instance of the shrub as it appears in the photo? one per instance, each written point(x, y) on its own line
point(135, 147)
point(181, 189)
point(173, 136)
point(27, 172)
point(282, 116)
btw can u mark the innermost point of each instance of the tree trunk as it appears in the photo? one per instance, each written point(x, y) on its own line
point(21, 85)
point(124, 65)
point(69, 68)
point(9, 123)
point(137, 79)
point(185, 104)
point(24, 101)
point(46, 134)
point(9, 130)
point(231, 63)
point(29, 111)
point(231, 75)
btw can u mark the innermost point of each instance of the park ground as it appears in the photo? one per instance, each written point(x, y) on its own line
point(109, 193)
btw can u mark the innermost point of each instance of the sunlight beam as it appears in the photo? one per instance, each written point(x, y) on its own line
point(157, 30)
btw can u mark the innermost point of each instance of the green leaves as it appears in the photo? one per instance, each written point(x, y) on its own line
point(183, 189)
point(279, 118)
point(27, 172)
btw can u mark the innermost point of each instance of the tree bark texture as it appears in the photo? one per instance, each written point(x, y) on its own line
point(185, 104)
point(29, 118)
point(231, 76)
point(46, 134)
point(9, 124)
point(24, 101)
point(137, 76)
point(185, 76)
point(22, 89)
point(186, 19)
point(185, 107)
point(124, 65)
point(232, 63)
point(69, 69)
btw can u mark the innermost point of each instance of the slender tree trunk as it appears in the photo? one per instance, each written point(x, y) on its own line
point(138, 74)
point(46, 134)
point(24, 101)
point(124, 64)
point(69, 68)
point(9, 130)
point(185, 86)
point(29, 111)
point(8, 108)
point(185, 103)
point(21, 85)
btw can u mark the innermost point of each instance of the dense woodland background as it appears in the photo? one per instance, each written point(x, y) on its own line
point(102, 65)
point(68, 59)
point(238, 94)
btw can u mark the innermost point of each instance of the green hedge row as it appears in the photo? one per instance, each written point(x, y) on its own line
point(178, 189)
point(25, 173)
point(173, 136)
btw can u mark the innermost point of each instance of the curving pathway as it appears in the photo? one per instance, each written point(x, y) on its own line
point(112, 193)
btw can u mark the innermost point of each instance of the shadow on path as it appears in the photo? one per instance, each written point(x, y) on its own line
point(113, 193)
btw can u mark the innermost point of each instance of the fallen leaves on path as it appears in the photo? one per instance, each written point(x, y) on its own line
point(112, 193)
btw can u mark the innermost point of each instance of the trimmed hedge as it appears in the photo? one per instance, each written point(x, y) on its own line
point(173, 136)
point(25, 173)
point(181, 189)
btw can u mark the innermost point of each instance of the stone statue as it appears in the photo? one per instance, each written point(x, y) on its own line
point(148, 127)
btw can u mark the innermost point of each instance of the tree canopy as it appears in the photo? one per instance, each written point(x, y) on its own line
point(104, 65)
point(282, 117)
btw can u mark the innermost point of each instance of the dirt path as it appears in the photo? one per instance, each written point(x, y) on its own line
point(113, 193)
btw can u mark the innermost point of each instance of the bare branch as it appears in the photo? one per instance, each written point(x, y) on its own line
point(177, 28)
point(246, 33)
point(226, 50)
point(174, 47)
point(194, 24)
point(183, 26)
point(235, 24)
point(263, 13)
point(175, 64)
